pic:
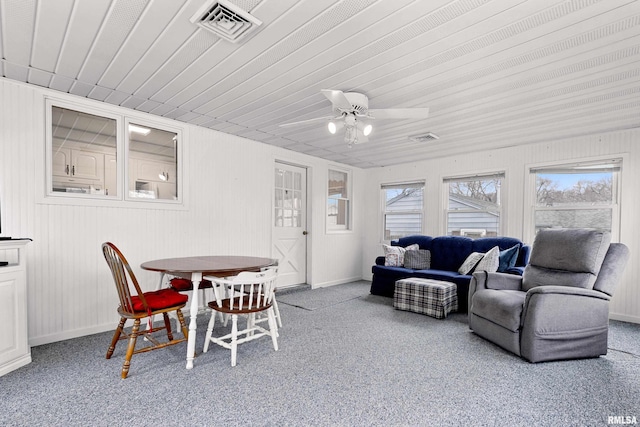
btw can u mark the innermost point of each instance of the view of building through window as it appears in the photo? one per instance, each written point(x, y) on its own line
point(474, 206)
point(338, 200)
point(402, 210)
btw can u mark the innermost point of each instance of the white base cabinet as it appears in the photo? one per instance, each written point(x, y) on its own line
point(14, 339)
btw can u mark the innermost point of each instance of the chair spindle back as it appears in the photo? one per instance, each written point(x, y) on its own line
point(120, 269)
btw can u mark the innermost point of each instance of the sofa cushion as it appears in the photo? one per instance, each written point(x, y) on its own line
point(489, 261)
point(392, 272)
point(502, 307)
point(424, 242)
point(419, 260)
point(449, 252)
point(394, 255)
point(508, 258)
point(484, 244)
point(470, 263)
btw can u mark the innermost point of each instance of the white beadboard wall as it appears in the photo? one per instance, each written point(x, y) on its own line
point(228, 187)
point(514, 161)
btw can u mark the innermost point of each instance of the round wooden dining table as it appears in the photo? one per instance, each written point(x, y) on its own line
point(194, 268)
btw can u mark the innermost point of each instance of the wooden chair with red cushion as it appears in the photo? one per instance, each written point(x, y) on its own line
point(139, 306)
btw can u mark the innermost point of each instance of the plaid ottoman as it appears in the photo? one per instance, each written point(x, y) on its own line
point(434, 298)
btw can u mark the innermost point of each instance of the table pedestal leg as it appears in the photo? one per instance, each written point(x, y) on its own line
point(196, 278)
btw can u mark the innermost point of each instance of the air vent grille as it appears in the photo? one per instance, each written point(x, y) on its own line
point(226, 20)
point(426, 137)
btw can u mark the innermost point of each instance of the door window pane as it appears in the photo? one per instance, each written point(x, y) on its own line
point(288, 198)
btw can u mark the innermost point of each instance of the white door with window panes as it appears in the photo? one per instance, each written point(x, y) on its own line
point(289, 224)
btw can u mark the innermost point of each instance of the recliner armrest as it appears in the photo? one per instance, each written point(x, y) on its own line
point(560, 322)
point(548, 297)
point(568, 290)
point(500, 281)
point(483, 280)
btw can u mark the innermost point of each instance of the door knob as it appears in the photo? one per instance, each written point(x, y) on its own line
point(304, 233)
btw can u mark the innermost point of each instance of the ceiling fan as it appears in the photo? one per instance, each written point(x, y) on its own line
point(351, 112)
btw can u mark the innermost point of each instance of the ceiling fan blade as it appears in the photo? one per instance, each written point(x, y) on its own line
point(337, 98)
point(399, 113)
point(304, 122)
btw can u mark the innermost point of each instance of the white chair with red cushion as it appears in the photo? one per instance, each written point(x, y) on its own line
point(247, 294)
point(139, 306)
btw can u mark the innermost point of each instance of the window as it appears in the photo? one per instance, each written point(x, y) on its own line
point(338, 206)
point(403, 207)
point(152, 162)
point(579, 195)
point(474, 205)
point(82, 144)
point(90, 156)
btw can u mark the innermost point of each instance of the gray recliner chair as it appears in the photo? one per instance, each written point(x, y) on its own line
point(559, 308)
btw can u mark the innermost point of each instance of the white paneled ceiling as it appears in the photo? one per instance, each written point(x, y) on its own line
point(493, 73)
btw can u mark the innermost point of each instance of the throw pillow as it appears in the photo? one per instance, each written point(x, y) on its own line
point(508, 258)
point(468, 265)
point(418, 260)
point(394, 255)
point(489, 261)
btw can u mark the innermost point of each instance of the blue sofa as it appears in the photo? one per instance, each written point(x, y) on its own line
point(447, 255)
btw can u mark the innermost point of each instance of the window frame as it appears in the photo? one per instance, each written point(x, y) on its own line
point(383, 206)
point(122, 118)
point(331, 228)
point(533, 169)
point(501, 175)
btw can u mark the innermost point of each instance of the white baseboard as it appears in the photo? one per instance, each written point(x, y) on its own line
point(624, 318)
point(67, 335)
point(335, 282)
point(15, 364)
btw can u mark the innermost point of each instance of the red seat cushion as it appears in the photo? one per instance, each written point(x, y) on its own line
point(158, 300)
point(181, 285)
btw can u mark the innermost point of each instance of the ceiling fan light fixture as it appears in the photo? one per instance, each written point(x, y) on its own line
point(332, 128)
point(367, 130)
point(350, 135)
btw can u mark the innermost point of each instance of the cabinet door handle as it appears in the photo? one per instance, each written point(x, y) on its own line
point(66, 169)
point(73, 170)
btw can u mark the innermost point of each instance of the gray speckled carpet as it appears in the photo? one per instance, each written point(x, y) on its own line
point(350, 361)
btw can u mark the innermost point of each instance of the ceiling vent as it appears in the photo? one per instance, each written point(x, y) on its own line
point(225, 20)
point(426, 137)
